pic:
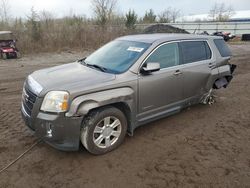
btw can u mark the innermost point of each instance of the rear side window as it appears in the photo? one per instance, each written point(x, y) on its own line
point(193, 51)
point(222, 47)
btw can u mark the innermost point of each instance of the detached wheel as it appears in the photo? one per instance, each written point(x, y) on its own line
point(4, 56)
point(103, 130)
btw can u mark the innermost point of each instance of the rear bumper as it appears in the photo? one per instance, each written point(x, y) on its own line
point(60, 132)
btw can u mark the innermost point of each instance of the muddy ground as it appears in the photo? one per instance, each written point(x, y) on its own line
point(203, 146)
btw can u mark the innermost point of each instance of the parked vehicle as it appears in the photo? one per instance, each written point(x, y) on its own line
point(8, 47)
point(127, 83)
point(226, 35)
point(204, 33)
point(245, 37)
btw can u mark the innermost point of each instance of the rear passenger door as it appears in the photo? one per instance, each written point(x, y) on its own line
point(197, 61)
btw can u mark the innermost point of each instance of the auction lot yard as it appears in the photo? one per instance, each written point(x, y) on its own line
point(203, 146)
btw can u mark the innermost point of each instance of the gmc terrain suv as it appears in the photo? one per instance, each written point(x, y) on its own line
point(126, 83)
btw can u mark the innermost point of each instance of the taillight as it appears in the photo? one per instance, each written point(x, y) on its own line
point(8, 50)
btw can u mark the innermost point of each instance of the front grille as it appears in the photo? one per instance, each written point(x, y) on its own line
point(28, 100)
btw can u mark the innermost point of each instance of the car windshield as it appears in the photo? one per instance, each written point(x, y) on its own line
point(116, 56)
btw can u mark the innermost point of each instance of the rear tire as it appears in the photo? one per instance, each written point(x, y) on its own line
point(103, 130)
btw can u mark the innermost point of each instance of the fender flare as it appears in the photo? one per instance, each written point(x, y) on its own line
point(81, 105)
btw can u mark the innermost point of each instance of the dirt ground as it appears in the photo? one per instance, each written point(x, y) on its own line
point(203, 146)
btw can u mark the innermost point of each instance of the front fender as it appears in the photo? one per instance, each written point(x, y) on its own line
point(81, 105)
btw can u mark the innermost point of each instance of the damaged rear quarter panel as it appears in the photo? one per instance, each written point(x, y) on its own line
point(224, 71)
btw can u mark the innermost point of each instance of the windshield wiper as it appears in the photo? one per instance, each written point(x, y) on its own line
point(103, 69)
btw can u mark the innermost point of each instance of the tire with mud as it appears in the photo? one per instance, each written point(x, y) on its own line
point(4, 56)
point(103, 130)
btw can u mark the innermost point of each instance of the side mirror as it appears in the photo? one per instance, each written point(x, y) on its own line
point(151, 67)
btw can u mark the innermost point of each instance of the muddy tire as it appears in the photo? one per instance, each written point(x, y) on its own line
point(103, 130)
point(4, 56)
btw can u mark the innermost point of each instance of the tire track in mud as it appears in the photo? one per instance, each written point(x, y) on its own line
point(14, 135)
point(12, 124)
point(215, 149)
point(7, 81)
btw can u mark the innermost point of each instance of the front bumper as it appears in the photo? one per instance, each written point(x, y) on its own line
point(61, 132)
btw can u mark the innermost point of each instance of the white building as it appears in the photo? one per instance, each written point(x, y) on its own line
point(242, 15)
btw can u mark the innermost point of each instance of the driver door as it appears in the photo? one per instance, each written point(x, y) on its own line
point(158, 90)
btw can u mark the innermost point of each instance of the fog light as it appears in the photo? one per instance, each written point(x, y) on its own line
point(49, 130)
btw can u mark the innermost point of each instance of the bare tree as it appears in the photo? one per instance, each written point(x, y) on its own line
point(34, 25)
point(169, 15)
point(165, 16)
point(5, 11)
point(175, 14)
point(221, 12)
point(103, 10)
point(213, 12)
point(47, 17)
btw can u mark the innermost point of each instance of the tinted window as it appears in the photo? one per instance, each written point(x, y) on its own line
point(222, 47)
point(193, 51)
point(167, 55)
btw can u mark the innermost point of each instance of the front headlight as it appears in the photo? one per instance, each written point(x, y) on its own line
point(55, 101)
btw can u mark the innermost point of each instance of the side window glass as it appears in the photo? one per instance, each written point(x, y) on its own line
point(222, 47)
point(193, 51)
point(167, 55)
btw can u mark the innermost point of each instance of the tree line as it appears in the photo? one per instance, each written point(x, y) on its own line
point(42, 31)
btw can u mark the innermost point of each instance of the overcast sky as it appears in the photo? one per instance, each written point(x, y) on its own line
point(83, 7)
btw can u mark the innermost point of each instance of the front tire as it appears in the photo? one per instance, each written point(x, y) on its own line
point(103, 130)
point(4, 56)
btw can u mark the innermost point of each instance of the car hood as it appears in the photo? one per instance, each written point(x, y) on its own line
point(69, 76)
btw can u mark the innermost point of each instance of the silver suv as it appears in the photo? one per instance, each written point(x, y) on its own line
point(126, 83)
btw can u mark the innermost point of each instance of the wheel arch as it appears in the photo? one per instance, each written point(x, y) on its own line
point(225, 76)
point(121, 98)
point(220, 73)
point(123, 107)
point(222, 82)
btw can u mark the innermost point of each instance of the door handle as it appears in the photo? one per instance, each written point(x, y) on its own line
point(177, 72)
point(211, 65)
